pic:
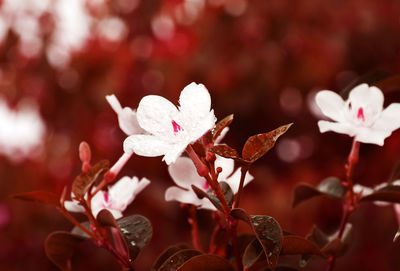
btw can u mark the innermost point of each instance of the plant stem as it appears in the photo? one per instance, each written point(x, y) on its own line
point(349, 203)
point(193, 223)
point(75, 222)
point(243, 171)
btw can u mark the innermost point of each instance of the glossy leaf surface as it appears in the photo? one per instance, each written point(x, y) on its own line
point(86, 179)
point(206, 262)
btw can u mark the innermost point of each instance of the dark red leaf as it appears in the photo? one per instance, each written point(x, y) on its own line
point(390, 193)
point(244, 240)
point(78, 231)
point(292, 244)
point(225, 122)
point(252, 253)
point(39, 196)
point(206, 262)
point(225, 151)
point(85, 180)
point(267, 231)
point(331, 187)
point(178, 259)
point(395, 173)
point(106, 219)
point(258, 145)
point(226, 189)
point(60, 246)
point(168, 253)
point(137, 231)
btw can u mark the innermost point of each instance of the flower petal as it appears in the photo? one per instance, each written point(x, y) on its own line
point(73, 206)
point(128, 122)
point(195, 101)
point(175, 151)
point(227, 166)
point(114, 103)
point(341, 128)
point(145, 145)
point(370, 98)
point(371, 136)
point(123, 192)
point(389, 119)
point(155, 115)
point(184, 174)
point(175, 193)
point(234, 180)
point(331, 104)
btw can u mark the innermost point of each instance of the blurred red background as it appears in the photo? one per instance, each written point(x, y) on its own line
point(260, 60)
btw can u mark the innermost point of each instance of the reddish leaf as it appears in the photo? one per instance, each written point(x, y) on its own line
point(60, 246)
point(178, 259)
point(225, 151)
point(107, 220)
point(390, 193)
point(168, 253)
point(225, 122)
point(252, 253)
point(226, 189)
point(292, 244)
point(85, 180)
point(39, 196)
point(244, 240)
point(258, 145)
point(206, 262)
point(137, 231)
point(267, 231)
point(331, 187)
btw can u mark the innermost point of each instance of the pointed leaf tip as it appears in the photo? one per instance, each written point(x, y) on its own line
point(39, 196)
point(258, 145)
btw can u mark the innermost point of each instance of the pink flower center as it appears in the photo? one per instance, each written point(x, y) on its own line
point(106, 198)
point(176, 127)
point(360, 114)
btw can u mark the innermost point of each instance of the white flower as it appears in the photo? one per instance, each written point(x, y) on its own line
point(171, 130)
point(115, 200)
point(361, 116)
point(184, 174)
point(126, 117)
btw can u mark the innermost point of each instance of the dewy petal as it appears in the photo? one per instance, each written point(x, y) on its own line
point(331, 104)
point(174, 152)
point(128, 122)
point(371, 136)
point(155, 115)
point(341, 128)
point(389, 119)
point(123, 192)
point(145, 145)
point(195, 101)
point(367, 97)
point(174, 193)
point(184, 173)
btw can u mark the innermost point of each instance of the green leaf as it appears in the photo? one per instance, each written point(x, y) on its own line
point(390, 193)
point(39, 196)
point(60, 246)
point(258, 145)
point(178, 259)
point(267, 231)
point(85, 180)
point(206, 262)
point(331, 187)
point(168, 253)
point(225, 122)
point(226, 189)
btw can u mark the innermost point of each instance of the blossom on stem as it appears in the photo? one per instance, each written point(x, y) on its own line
point(171, 129)
point(115, 200)
point(362, 116)
point(184, 174)
point(126, 117)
